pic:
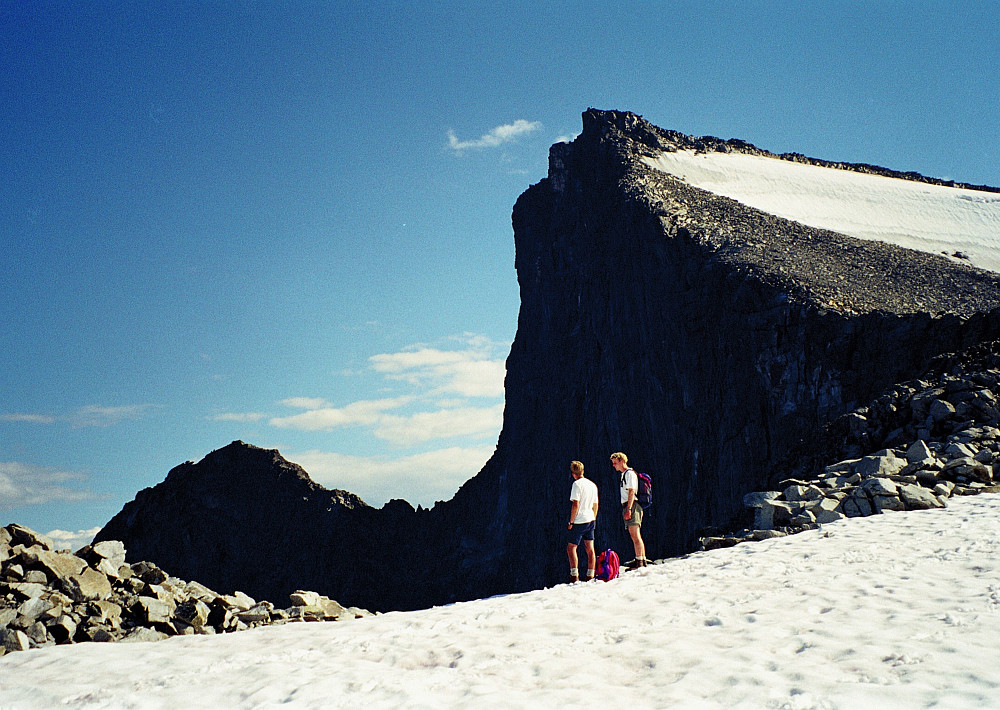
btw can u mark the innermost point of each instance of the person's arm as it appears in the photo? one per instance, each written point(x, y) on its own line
point(596, 503)
point(572, 511)
point(631, 500)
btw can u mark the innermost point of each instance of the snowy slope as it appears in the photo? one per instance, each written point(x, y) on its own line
point(930, 218)
point(892, 611)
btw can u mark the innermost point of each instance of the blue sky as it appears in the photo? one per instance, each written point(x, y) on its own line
point(289, 223)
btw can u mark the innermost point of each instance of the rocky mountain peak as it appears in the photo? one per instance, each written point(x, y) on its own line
point(708, 340)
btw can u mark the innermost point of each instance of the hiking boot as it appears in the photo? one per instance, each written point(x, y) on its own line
point(573, 579)
point(634, 564)
point(588, 578)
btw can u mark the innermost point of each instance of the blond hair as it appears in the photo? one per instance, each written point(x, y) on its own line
point(576, 467)
point(619, 456)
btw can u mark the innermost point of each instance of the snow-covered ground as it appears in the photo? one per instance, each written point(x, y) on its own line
point(930, 218)
point(899, 610)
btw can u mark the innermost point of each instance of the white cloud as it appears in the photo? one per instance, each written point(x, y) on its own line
point(363, 413)
point(68, 540)
point(305, 402)
point(93, 415)
point(239, 417)
point(453, 391)
point(26, 484)
point(476, 371)
point(421, 479)
point(497, 137)
point(29, 418)
point(442, 424)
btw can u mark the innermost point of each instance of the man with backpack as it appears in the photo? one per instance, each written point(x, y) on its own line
point(582, 521)
point(631, 510)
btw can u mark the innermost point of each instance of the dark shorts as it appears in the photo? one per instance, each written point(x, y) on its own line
point(581, 531)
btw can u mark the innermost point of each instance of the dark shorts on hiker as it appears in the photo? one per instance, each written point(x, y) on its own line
point(636, 519)
point(581, 531)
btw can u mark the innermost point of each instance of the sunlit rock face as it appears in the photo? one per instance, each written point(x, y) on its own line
point(707, 339)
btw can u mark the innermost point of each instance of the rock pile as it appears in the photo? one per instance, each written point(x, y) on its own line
point(55, 597)
point(941, 437)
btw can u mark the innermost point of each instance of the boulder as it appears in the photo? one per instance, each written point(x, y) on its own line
point(941, 409)
point(63, 629)
point(21, 535)
point(918, 451)
point(857, 505)
point(884, 463)
point(884, 503)
point(193, 612)
point(57, 565)
point(15, 640)
point(89, 585)
point(105, 612)
point(153, 611)
point(918, 498)
point(760, 501)
point(880, 487)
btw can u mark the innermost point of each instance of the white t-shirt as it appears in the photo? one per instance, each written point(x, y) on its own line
point(629, 480)
point(585, 491)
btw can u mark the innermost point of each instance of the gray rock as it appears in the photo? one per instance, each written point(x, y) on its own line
point(58, 565)
point(239, 600)
point(15, 640)
point(827, 516)
point(105, 612)
point(944, 489)
point(956, 450)
point(111, 550)
point(194, 613)
point(941, 409)
point(35, 576)
point(261, 613)
point(89, 585)
point(34, 608)
point(880, 487)
point(26, 590)
point(306, 598)
point(984, 456)
point(63, 629)
point(882, 464)
point(154, 611)
point(918, 498)
point(766, 534)
point(803, 493)
point(21, 535)
point(805, 517)
point(884, 503)
point(857, 505)
point(918, 452)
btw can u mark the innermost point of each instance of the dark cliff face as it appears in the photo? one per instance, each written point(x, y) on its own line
point(701, 337)
point(705, 339)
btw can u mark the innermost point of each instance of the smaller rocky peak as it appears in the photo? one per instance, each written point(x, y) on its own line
point(242, 466)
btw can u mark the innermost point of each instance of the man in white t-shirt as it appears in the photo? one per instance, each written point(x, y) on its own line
point(582, 521)
point(631, 510)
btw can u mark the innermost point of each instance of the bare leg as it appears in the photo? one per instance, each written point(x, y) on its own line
point(574, 561)
point(637, 543)
point(588, 545)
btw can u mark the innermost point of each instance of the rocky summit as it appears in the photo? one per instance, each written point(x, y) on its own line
point(719, 346)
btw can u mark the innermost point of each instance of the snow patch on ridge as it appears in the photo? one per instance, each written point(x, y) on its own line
point(930, 218)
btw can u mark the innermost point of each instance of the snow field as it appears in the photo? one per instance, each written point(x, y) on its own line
point(920, 216)
point(893, 611)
